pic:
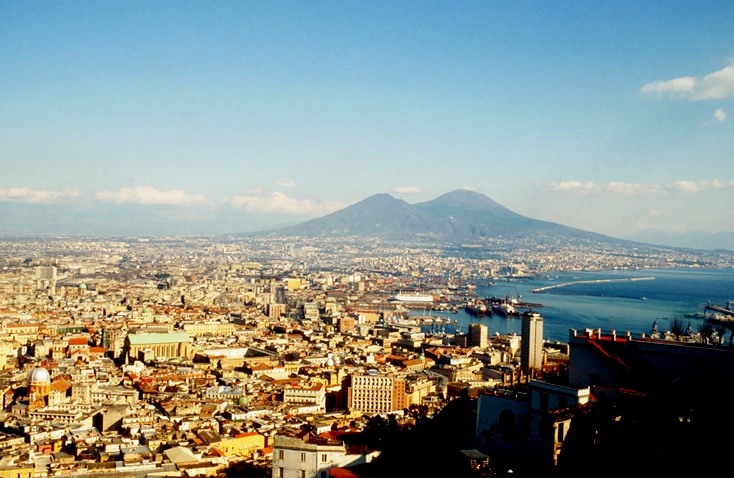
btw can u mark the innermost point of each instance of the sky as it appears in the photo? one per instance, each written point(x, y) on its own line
point(614, 117)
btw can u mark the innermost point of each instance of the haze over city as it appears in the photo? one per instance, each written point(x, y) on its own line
point(239, 116)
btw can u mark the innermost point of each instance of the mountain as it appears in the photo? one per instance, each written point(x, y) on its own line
point(380, 214)
point(457, 216)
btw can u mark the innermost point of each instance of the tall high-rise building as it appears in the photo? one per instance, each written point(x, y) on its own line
point(377, 393)
point(46, 277)
point(531, 348)
point(478, 335)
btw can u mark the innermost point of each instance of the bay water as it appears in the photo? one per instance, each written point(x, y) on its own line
point(622, 300)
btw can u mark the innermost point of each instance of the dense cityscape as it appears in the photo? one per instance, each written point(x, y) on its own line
point(366, 239)
point(288, 357)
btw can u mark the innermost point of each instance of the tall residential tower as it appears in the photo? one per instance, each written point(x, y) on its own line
point(531, 349)
point(478, 335)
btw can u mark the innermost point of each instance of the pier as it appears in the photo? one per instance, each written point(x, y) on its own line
point(595, 281)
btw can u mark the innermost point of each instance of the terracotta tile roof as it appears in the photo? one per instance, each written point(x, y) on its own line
point(60, 386)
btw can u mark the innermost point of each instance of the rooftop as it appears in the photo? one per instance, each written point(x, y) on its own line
point(157, 338)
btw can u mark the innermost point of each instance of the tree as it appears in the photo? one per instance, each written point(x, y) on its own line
point(729, 324)
point(677, 329)
point(721, 331)
point(707, 331)
point(249, 470)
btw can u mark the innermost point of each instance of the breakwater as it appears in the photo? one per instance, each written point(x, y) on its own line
point(540, 290)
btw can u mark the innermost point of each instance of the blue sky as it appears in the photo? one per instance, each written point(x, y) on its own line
point(609, 116)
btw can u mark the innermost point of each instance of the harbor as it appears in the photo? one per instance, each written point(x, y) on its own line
point(621, 300)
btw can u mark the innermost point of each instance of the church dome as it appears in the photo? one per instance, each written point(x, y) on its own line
point(39, 375)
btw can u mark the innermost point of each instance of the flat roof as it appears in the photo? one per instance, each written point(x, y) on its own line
point(157, 338)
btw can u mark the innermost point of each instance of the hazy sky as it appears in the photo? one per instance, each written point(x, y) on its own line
point(607, 116)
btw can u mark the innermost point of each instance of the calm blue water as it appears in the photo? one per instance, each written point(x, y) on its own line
point(669, 294)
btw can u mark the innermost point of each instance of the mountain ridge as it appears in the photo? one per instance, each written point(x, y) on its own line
point(457, 216)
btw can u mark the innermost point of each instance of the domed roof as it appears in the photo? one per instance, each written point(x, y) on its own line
point(39, 375)
point(82, 285)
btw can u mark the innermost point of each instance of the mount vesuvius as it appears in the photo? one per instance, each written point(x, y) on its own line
point(457, 216)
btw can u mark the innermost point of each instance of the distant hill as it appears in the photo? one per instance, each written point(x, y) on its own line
point(457, 216)
point(691, 240)
point(120, 220)
point(107, 220)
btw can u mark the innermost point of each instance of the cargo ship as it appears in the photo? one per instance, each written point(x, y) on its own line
point(478, 309)
point(505, 308)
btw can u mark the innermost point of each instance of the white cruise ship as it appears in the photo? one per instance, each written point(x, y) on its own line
point(421, 298)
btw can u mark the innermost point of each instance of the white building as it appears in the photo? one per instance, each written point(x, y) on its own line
point(312, 456)
point(376, 393)
point(535, 422)
point(531, 348)
point(314, 395)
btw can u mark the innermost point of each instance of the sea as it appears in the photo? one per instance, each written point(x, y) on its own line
point(621, 300)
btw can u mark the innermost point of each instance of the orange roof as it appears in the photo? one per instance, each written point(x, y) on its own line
point(337, 472)
point(334, 434)
point(60, 386)
point(408, 363)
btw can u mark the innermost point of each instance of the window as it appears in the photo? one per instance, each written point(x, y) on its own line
point(280, 454)
point(303, 474)
point(303, 457)
point(323, 458)
point(544, 401)
point(280, 472)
